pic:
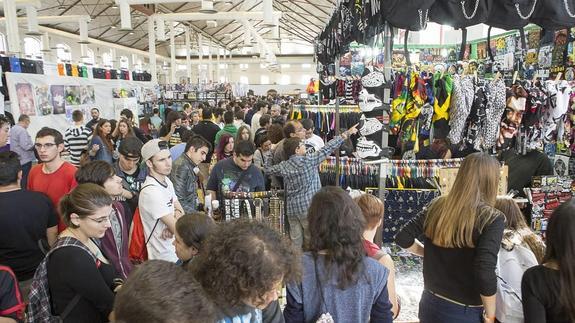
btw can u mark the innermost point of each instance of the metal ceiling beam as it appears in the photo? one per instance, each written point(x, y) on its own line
point(70, 7)
point(229, 23)
point(197, 29)
point(299, 14)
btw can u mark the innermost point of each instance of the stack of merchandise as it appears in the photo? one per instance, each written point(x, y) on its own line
point(545, 195)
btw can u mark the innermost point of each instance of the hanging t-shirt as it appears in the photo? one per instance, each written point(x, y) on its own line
point(157, 200)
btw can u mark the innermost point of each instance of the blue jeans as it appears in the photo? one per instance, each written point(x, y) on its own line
point(25, 171)
point(434, 309)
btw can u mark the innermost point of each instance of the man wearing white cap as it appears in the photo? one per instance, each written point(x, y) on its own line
point(158, 203)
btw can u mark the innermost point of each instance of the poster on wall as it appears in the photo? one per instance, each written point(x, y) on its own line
point(51, 100)
point(25, 99)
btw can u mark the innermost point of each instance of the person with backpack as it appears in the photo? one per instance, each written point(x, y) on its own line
point(12, 304)
point(372, 211)
point(339, 279)
point(520, 250)
point(159, 207)
point(115, 241)
point(548, 290)
point(75, 282)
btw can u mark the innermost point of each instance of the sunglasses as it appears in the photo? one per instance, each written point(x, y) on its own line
point(163, 145)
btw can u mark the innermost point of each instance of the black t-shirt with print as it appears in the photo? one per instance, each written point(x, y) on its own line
point(226, 173)
point(24, 219)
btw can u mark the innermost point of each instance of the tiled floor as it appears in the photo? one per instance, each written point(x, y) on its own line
point(408, 281)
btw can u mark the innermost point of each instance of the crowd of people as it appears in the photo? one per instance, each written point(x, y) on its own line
point(118, 222)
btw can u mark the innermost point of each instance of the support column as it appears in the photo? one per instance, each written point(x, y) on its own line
point(187, 35)
point(173, 67)
point(12, 27)
point(152, 49)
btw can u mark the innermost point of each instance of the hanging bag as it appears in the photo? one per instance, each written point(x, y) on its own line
point(511, 14)
point(460, 13)
point(410, 15)
point(554, 14)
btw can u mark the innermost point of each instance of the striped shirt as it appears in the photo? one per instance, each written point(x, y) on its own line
point(76, 141)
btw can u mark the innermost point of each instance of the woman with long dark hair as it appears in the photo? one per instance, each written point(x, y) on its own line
point(462, 232)
point(548, 290)
point(101, 146)
point(338, 277)
point(225, 148)
point(123, 130)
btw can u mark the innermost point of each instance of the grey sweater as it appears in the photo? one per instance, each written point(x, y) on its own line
point(366, 301)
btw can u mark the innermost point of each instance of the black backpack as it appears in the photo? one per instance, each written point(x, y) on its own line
point(409, 15)
point(554, 14)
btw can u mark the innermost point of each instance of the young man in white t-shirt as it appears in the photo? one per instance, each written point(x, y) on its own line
point(158, 203)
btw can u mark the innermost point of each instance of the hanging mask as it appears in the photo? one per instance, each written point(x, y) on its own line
point(511, 121)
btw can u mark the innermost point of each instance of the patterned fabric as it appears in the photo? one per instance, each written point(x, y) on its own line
point(401, 206)
point(301, 177)
point(461, 102)
point(39, 309)
point(495, 106)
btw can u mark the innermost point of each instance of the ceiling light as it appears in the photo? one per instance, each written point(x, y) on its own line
point(208, 7)
point(114, 6)
point(113, 26)
point(131, 32)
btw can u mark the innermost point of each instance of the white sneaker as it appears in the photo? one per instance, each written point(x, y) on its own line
point(369, 126)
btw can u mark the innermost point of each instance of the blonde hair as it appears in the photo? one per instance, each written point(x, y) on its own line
point(452, 219)
point(372, 209)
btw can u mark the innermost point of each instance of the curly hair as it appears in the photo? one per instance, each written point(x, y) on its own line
point(337, 227)
point(244, 261)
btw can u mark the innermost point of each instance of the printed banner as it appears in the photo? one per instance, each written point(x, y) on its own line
point(50, 100)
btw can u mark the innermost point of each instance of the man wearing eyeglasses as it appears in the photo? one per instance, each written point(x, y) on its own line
point(158, 203)
point(128, 168)
point(54, 176)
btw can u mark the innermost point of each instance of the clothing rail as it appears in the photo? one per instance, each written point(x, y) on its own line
point(342, 108)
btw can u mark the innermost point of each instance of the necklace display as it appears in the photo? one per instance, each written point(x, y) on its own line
point(265, 206)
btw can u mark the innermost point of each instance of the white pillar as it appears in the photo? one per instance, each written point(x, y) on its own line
point(200, 57)
point(12, 26)
point(218, 66)
point(173, 66)
point(210, 67)
point(187, 35)
point(152, 49)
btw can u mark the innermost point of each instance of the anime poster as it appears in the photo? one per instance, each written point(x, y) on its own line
point(122, 93)
point(25, 99)
point(87, 94)
point(72, 95)
point(58, 99)
point(43, 100)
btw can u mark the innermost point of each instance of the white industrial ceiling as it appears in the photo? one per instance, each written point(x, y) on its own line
point(301, 20)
